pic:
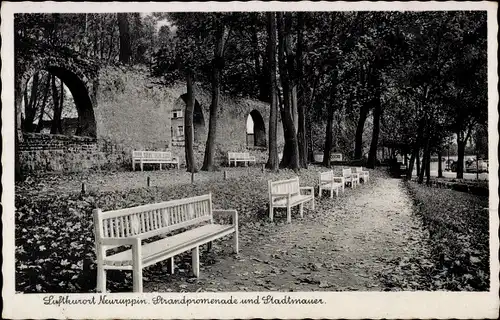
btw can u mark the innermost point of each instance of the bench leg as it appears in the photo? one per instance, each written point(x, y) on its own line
point(289, 214)
point(271, 213)
point(209, 246)
point(133, 165)
point(142, 166)
point(137, 268)
point(171, 265)
point(195, 255)
point(319, 194)
point(331, 193)
point(301, 208)
point(312, 204)
point(236, 242)
point(101, 279)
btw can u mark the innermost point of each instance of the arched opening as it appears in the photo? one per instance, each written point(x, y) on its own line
point(56, 101)
point(256, 130)
point(177, 121)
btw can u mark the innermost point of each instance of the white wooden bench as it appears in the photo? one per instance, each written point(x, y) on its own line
point(350, 178)
point(235, 157)
point(286, 194)
point(160, 157)
point(329, 182)
point(363, 174)
point(132, 226)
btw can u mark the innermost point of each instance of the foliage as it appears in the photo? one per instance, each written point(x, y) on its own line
point(459, 236)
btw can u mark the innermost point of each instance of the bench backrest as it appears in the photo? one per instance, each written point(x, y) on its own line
point(238, 155)
point(346, 172)
point(290, 186)
point(152, 155)
point(153, 219)
point(358, 169)
point(326, 176)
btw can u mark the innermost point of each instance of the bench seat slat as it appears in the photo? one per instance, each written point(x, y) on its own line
point(293, 200)
point(169, 244)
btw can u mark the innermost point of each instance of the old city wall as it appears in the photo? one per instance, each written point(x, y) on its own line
point(134, 113)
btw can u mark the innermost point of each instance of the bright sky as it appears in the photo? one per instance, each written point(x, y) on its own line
point(160, 22)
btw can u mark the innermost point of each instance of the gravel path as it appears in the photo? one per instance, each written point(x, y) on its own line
point(345, 244)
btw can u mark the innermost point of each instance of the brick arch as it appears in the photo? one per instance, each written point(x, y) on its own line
point(81, 83)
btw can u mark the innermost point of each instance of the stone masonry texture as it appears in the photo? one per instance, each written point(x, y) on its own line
point(133, 112)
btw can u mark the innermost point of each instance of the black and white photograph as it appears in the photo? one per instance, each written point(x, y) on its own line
point(243, 160)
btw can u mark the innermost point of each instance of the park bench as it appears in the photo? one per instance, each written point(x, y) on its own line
point(363, 174)
point(287, 194)
point(350, 178)
point(235, 157)
point(159, 157)
point(192, 218)
point(329, 182)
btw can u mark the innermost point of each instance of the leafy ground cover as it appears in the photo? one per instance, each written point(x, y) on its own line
point(458, 229)
point(367, 239)
point(54, 229)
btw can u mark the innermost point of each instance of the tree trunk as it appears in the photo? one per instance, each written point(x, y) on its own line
point(377, 111)
point(218, 64)
point(358, 145)
point(56, 119)
point(428, 167)
point(125, 45)
point(421, 172)
point(31, 105)
point(301, 110)
point(414, 155)
point(418, 162)
point(188, 124)
point(460, 156)
point(272, 162)
point(39, 127)
point(328, 137)
point(440, 165)
point(291, 150)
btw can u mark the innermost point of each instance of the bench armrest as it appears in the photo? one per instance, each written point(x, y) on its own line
point(311, 189)
point(229, 212)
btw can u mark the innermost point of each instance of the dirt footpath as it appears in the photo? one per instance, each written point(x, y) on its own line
point(345, 244)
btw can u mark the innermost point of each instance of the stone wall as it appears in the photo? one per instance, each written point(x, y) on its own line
point(133, 112)
point(46, 152)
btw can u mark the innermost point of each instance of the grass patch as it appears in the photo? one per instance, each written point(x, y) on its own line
point(458, 225)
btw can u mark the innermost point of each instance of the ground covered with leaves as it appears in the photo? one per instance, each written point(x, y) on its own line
point(458, 226)
point(367, 239)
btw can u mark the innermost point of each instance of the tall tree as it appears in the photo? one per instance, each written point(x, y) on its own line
point(272, 162)
point(286, 65)
point(125, 44)
point(301, 131)
point(188, 123)
point(217, 66)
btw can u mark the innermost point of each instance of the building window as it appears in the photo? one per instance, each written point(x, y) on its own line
point(180, 131)
point(177, 114)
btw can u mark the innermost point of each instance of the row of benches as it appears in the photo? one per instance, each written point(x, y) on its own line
point(287, 193)
point(193, 221)
point(165, 157)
